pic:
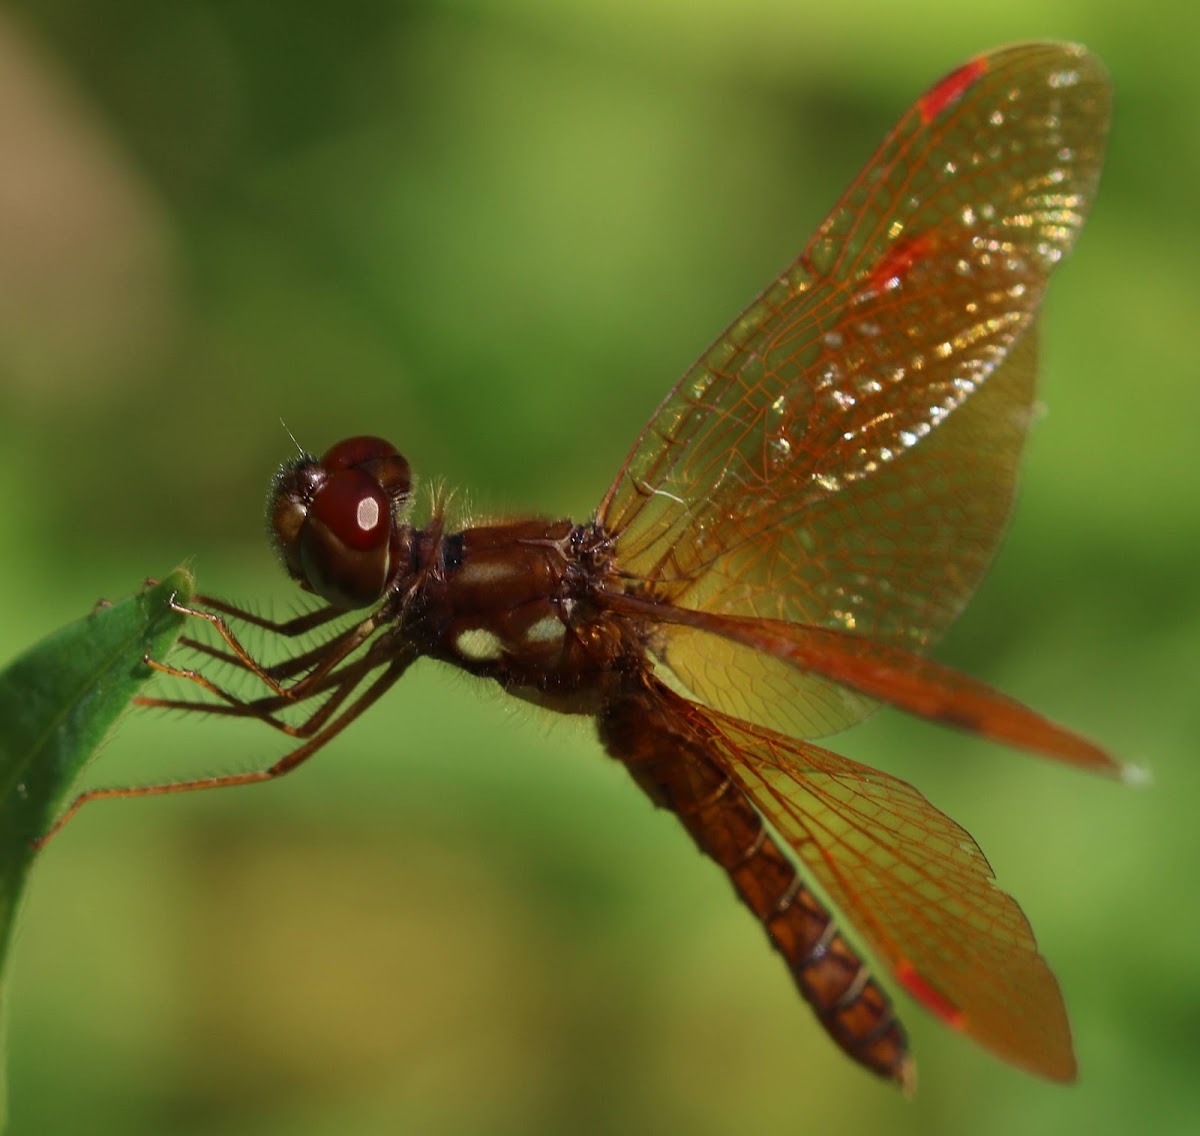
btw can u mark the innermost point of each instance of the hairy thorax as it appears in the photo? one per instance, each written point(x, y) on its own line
point(515, 602)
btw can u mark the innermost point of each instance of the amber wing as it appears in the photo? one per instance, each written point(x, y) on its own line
point(845, 454)
point(667, 748)
point(912, 883)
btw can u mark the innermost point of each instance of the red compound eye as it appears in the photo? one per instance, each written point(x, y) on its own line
point(345, 541)
point(334, 520)
point(374, 456)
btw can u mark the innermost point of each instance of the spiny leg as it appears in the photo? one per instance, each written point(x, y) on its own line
point(338, 684)
point(288, 667)
point(290, 628)
point(395, 668)
point(326, 656)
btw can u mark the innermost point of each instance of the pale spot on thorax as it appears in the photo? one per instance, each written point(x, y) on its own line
point(478, 645)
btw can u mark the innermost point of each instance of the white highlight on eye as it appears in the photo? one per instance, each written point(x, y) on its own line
point(367, 514)
point(478, 645)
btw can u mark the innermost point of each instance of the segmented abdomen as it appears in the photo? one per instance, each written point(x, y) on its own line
point(668, 758)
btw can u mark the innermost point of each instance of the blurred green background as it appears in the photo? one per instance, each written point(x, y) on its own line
point(496, 233)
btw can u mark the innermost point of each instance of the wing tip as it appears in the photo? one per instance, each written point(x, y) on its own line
point(1135, 775)
point(906, 1076)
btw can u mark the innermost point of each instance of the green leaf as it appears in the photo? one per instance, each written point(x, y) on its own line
point(57, 702)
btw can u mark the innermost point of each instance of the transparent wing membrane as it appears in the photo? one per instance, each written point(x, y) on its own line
point(845, 452)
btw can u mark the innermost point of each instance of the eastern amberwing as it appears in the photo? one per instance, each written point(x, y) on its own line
point(805, 513)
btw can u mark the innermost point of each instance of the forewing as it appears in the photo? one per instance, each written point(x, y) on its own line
point(913, 885)
point(844, 454)
point(892, 557)
point(860, 668)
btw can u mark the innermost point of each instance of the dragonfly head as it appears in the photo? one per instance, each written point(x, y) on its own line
point(337, 522)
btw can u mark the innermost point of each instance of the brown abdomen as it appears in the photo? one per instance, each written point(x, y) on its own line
point(669, 760)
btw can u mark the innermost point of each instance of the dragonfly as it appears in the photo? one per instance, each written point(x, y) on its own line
point(803, 516)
